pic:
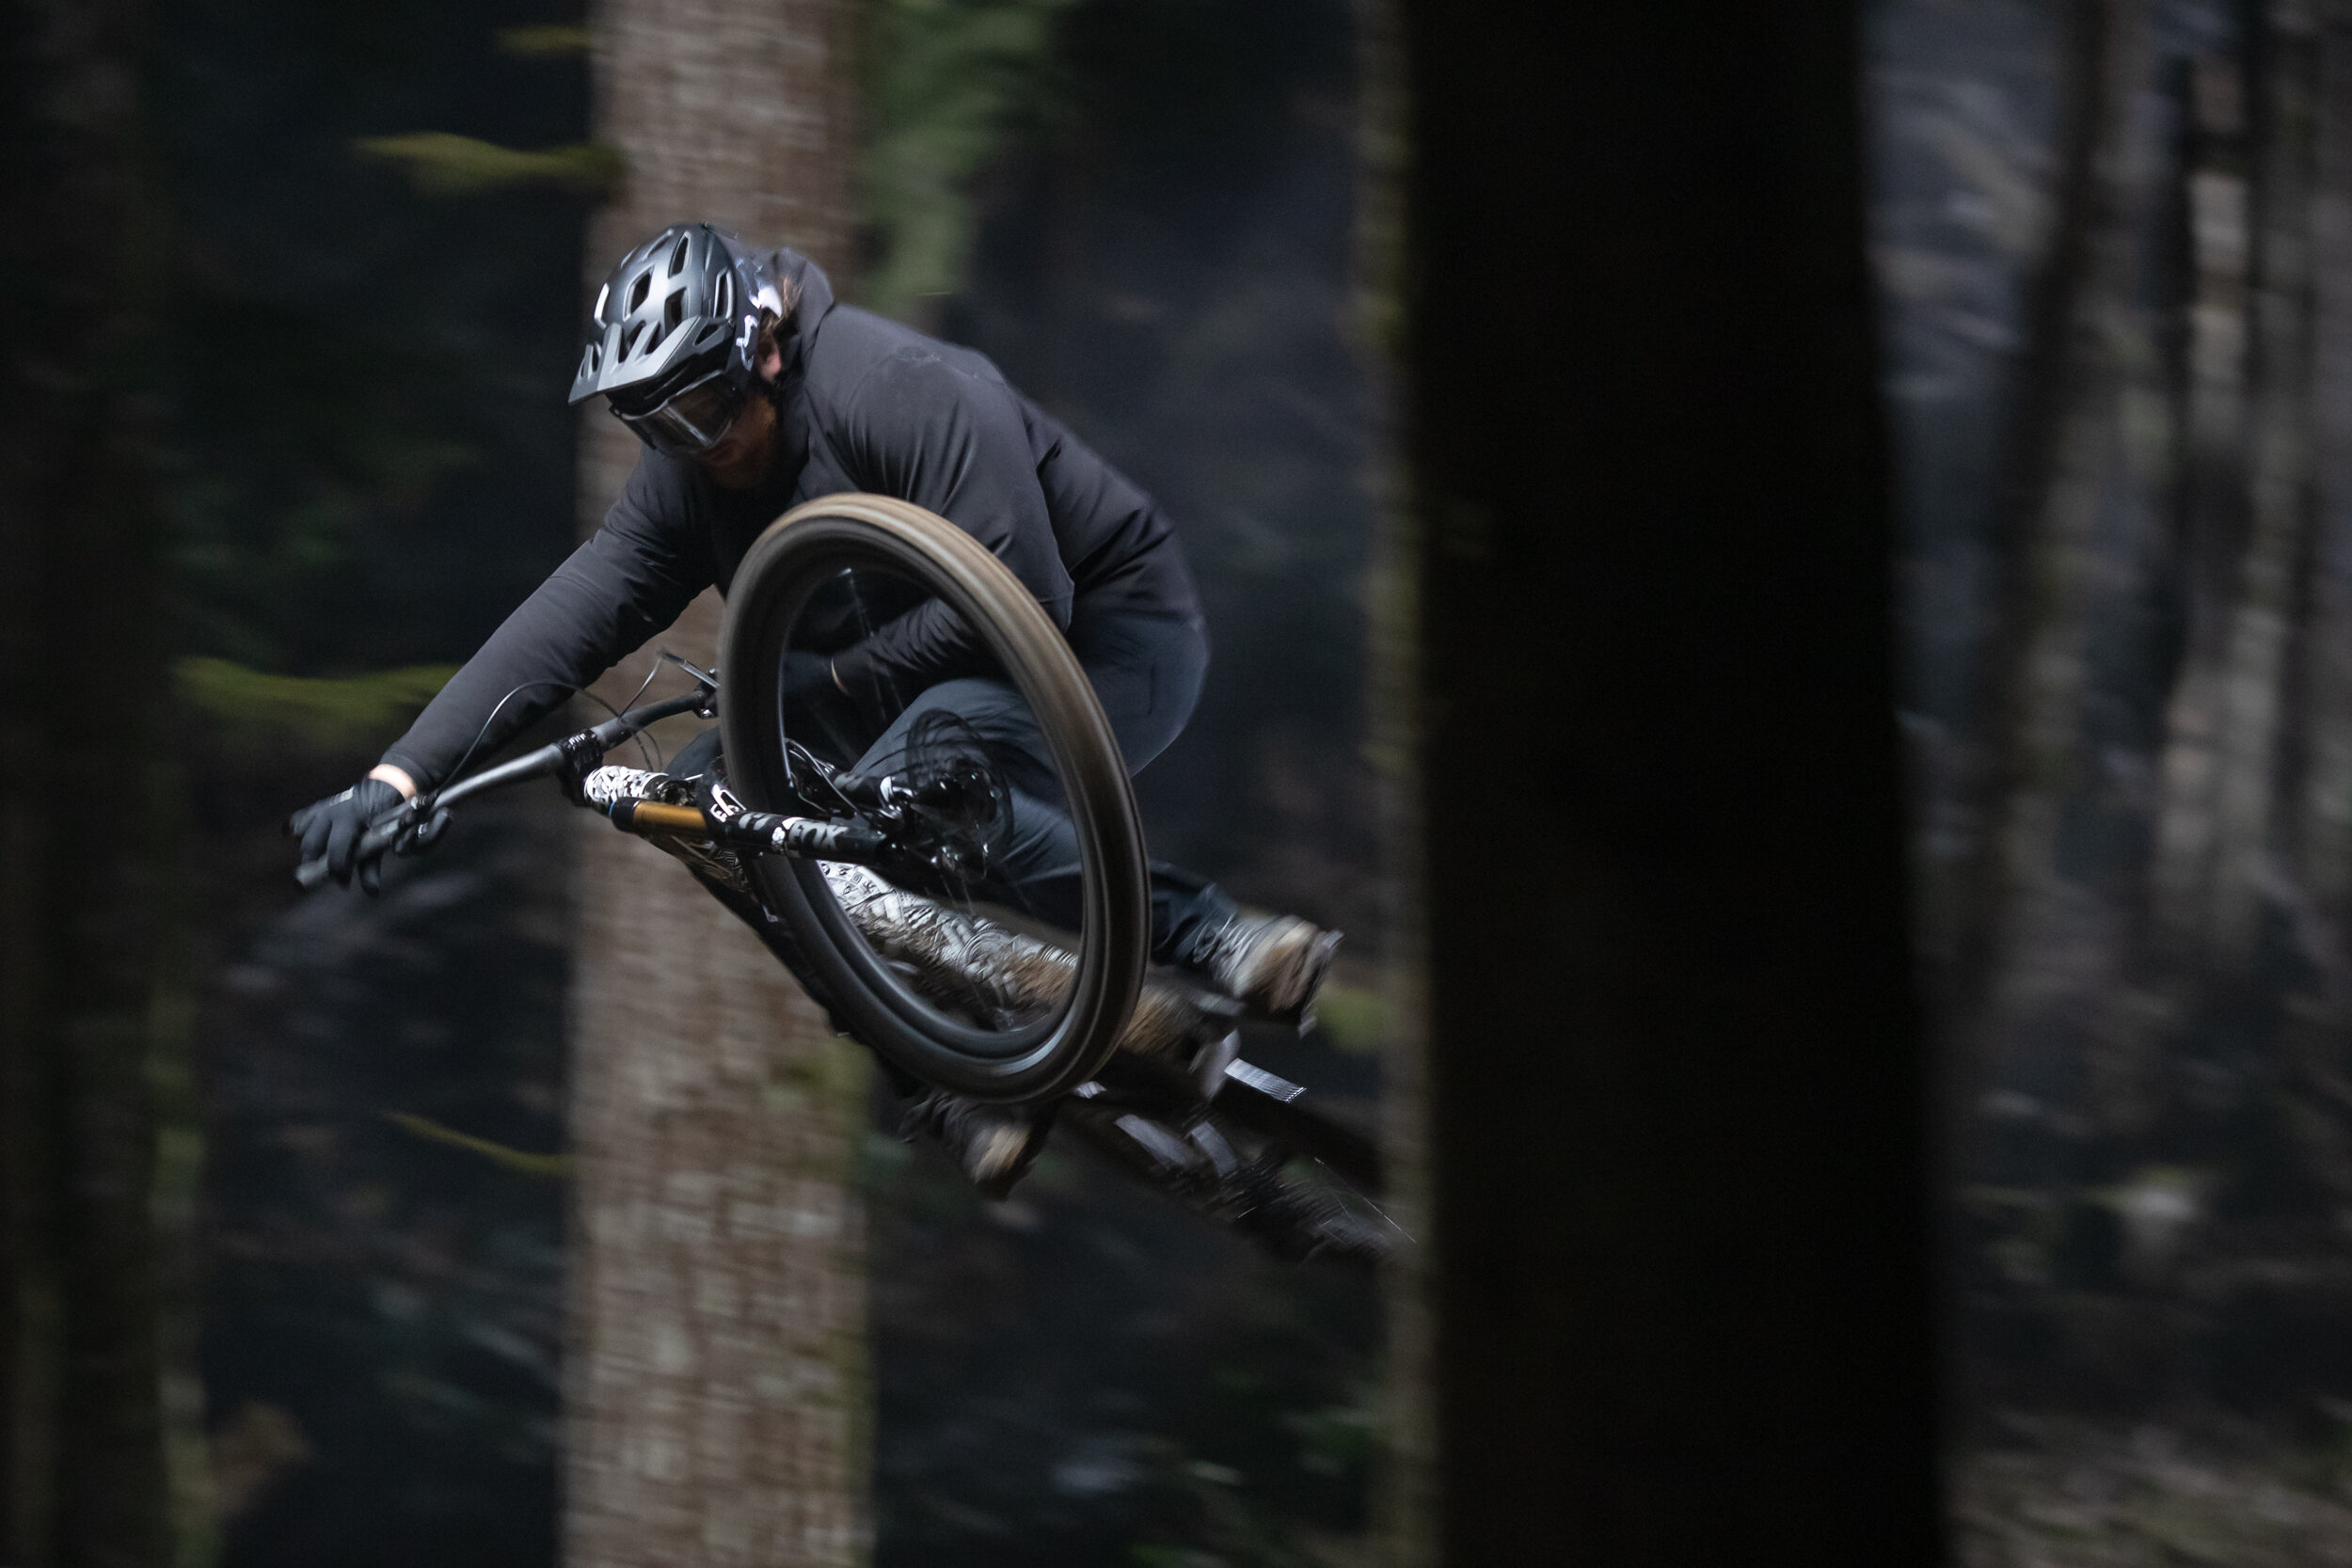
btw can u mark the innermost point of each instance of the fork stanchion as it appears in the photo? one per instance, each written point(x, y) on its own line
point(758, 831)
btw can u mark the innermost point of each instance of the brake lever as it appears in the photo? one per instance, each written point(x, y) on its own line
point(706, 679)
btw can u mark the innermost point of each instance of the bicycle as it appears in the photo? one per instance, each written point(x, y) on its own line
point(875, 888)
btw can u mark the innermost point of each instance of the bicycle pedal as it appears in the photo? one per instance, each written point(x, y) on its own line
point(1211, 1061)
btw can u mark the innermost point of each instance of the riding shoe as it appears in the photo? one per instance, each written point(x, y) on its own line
point(1271, 964)
point(994, 1144)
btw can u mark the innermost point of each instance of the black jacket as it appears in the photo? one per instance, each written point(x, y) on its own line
point(868, 404)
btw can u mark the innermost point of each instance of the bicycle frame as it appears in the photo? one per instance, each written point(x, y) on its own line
point(1173, 1079)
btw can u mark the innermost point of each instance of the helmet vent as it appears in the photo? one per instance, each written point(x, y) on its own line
point(636, 293)
point(722, 302)
point(673, 312)
point(677, 257)
point(629, 340)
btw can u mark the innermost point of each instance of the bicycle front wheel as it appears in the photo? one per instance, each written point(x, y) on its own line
point(834, 569)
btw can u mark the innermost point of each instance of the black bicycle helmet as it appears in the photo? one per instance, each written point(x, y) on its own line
point(679, 306)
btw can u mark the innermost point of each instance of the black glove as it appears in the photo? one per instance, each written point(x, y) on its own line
point(332, 828)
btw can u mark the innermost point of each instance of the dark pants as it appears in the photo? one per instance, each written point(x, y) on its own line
point(1146, 671)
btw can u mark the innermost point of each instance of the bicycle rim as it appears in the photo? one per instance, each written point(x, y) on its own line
point(910, 1022)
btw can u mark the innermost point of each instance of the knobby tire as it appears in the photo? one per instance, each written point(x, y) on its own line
point(784, 566)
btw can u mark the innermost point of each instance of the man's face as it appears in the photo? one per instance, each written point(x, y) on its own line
point(740, 458)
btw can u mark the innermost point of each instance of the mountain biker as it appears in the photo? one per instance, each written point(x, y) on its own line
point(752, 390)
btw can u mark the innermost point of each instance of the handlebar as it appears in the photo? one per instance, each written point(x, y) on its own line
point(575, 755)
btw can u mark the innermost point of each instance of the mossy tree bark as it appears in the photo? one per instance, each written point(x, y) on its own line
point(1676, 1099)
point(717, 1402)
point(82, 1474)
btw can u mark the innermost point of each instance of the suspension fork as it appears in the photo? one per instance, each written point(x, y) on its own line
point(756, 833)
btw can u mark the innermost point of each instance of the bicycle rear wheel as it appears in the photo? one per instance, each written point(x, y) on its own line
point(788, 598)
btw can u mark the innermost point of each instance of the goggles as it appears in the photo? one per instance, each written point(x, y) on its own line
point(694, 418)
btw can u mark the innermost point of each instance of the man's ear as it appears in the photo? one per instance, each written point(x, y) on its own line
point(768, 358)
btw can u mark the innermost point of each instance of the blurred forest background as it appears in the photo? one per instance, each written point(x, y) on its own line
point(2116, 255)
point(2113, 240)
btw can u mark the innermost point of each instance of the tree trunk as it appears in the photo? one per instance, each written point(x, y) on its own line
point(82, 1475)
point(2240, 826)
point(717, 1402)
point(2030, 936)
point(2254, 673)
point(2212, 501)
point(1404, 1502)
point(2323, 835)
point(2309, 870)
point(1676, 1089)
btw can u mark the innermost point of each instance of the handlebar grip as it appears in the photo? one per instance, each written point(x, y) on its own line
point(373, 843)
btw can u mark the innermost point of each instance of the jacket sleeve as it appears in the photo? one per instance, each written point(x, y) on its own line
point(625, 584)
point(931, 432)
